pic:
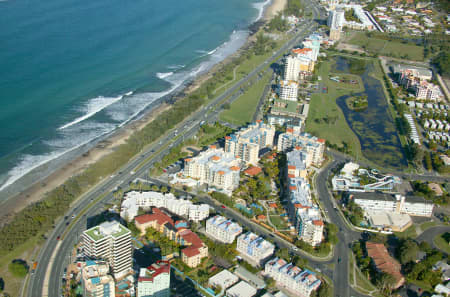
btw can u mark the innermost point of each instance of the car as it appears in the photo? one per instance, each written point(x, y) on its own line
point(58, 237)
point(223, 206)
point(73, 216)
point(339, 260)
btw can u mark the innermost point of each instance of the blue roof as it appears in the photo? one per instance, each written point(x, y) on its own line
point(95, 280)
point(90, 263)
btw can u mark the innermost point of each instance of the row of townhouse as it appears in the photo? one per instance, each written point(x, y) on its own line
point(436, 125)
point(292, 278)
point(134, 200)
point(222, 229)
point(191, 255)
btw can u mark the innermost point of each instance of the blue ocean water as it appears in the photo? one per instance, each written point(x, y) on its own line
point(74, 70)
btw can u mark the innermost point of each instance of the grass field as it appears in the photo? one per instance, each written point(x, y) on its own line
point(325, 119)
point(441, 244)
point(408, 233)
point(387, 48)
point(242, 109)
point(427, 225)
point(279, 223)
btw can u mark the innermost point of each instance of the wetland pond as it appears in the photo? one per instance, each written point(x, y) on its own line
point(373, 126)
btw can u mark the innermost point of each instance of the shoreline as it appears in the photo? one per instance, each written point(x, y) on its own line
point(81, 161)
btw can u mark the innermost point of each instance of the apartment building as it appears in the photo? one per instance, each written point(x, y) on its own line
point(292, 278)
point(197, 250)
point(428, 91)
point(384, 262)
point(110, 241)
point(215, 167)
point(134, 200)
point(96, 280)
point(309, 225)
point(222, 229)
point(289, 90)
point(248, 142)
point(291, 68)
point(154, 281)
point(293, 137)
point(254, 248)
point(297, 163)
point(382, 202)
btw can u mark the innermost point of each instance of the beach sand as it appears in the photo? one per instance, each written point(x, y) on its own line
point(274, 8)
point(37, 191)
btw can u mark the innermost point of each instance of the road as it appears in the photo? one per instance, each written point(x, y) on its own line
point(431, 233)
point(154, 153)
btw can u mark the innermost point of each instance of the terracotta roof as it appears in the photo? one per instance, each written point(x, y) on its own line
point(212, 146)
point(235, 168)
point(384, 262)
point(289, 130)
point(291, 175)
point(273, 204)
point(156, 269)
point(188, 160)
point(228, 137)
point(261, 217)
point(291, 167)
point(191, 251)
point(221, 172)
point(191, 238)
point(157, 215)
point(321, 140)
point(215, 158)
point(292, 188)
point(298, 148)
point(301, 50)
point(318, 222)
point(253, 171)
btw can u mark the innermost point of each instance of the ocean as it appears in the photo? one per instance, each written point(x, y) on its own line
point(73, 71)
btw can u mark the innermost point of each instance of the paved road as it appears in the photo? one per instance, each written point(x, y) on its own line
point(188, 127)
point(429, 234)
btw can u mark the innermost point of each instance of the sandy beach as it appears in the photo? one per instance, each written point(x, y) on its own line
point(274, 8)
point(37, 191)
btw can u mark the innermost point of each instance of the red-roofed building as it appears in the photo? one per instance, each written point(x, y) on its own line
point(273, 205)
point(261, 217)
point(252, 171)
point(196, 250)
point(157, 220)
point(384, 262)
point(154, 280)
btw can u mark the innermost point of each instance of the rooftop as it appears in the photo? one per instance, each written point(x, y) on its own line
point(241, 289)
point(113, 228)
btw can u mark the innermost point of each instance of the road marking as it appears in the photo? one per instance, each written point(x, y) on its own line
point(49, 270)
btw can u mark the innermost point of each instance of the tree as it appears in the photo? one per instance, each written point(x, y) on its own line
point(385, 282)
point(323, 291)
point(18, 268)
point(407, 252)
point(2, 284)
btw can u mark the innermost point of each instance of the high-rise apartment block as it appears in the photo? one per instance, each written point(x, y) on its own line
point(110, 241)
point(249, 141)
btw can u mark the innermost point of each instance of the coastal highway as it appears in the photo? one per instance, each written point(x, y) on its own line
point(54, 254)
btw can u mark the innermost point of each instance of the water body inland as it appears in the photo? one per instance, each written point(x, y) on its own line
point(373, 126)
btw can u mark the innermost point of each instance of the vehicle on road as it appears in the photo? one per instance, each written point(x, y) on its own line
point(58, 237)
point(223, 206)
point(33, 268)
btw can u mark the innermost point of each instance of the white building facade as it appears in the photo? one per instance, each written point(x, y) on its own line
point(254, 248)
point(222, 229)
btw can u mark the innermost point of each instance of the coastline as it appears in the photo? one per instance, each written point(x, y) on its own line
point(77, 164)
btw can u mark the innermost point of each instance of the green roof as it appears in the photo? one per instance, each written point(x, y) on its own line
point(291, 106)
point(96, 234)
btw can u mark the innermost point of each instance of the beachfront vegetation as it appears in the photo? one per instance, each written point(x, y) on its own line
point(442, 62)
point(278, 23)
point(294, 7)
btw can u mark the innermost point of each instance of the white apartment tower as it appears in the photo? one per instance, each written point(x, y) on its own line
point(222, 229)
point(291, 68)
point(254, 248)
point(247, 143)
point(288, 90)
point(110, 241)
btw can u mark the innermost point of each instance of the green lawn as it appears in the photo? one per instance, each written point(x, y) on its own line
point(441, 244)
point(279, 222)
point(242, 109)
point(325, 118)
point(408, 233)
point(426, 225)
point(383, 47)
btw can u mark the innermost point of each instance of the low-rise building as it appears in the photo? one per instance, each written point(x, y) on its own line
point(384, 262)
point(254, 248)
point(154, 281)
point(295, 280)
point(223, 279)
point(222, 229)
point(134, 200)
point(411, 205)
point(241, 289)
point(96, 280)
